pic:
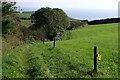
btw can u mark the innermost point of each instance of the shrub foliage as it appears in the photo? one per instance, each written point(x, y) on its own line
point(52, 21)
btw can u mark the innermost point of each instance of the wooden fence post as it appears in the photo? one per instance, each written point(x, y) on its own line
point(43, 40)
point(95, 59)
point(54, 42)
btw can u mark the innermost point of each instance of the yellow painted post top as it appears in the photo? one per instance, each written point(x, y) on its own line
point(99, 57)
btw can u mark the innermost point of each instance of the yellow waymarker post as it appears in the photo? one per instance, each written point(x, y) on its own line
point(99, 57)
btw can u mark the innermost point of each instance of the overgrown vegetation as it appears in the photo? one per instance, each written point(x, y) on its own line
point(10, 26)
point(8, 18)
point(13, 31)
point(76, 23)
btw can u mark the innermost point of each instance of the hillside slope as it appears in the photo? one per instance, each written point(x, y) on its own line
point(71, 58)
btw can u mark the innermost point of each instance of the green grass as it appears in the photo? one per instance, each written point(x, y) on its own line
point(24, 15)
point(26, 23)
point(71, 58)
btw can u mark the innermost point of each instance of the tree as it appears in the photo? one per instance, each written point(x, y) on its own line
point(7, 16)
point(52, 21)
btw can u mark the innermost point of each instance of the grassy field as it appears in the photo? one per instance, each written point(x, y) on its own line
point(24, 15)
point(26, 23)
point(71, 58)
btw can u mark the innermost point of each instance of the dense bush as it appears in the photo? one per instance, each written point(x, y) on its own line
point(30, 35)
point(75, 24)
point(7, 25)
point(8, 17)
point(14, 33)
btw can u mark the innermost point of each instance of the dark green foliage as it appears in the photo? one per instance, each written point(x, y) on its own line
point(26, 34)
point(7, 24)
point(29, 35)
point(75, 24)
point(12, 31)
point(52, 21)
point(7, 8)
point(8, 17)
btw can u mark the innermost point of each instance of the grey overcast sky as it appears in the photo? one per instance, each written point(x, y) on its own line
point(79, 9)
point(67, 4)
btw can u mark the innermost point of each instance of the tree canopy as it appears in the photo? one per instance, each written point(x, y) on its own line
point(52, 21)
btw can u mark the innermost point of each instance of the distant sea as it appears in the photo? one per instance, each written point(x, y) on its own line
point(86, 14)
